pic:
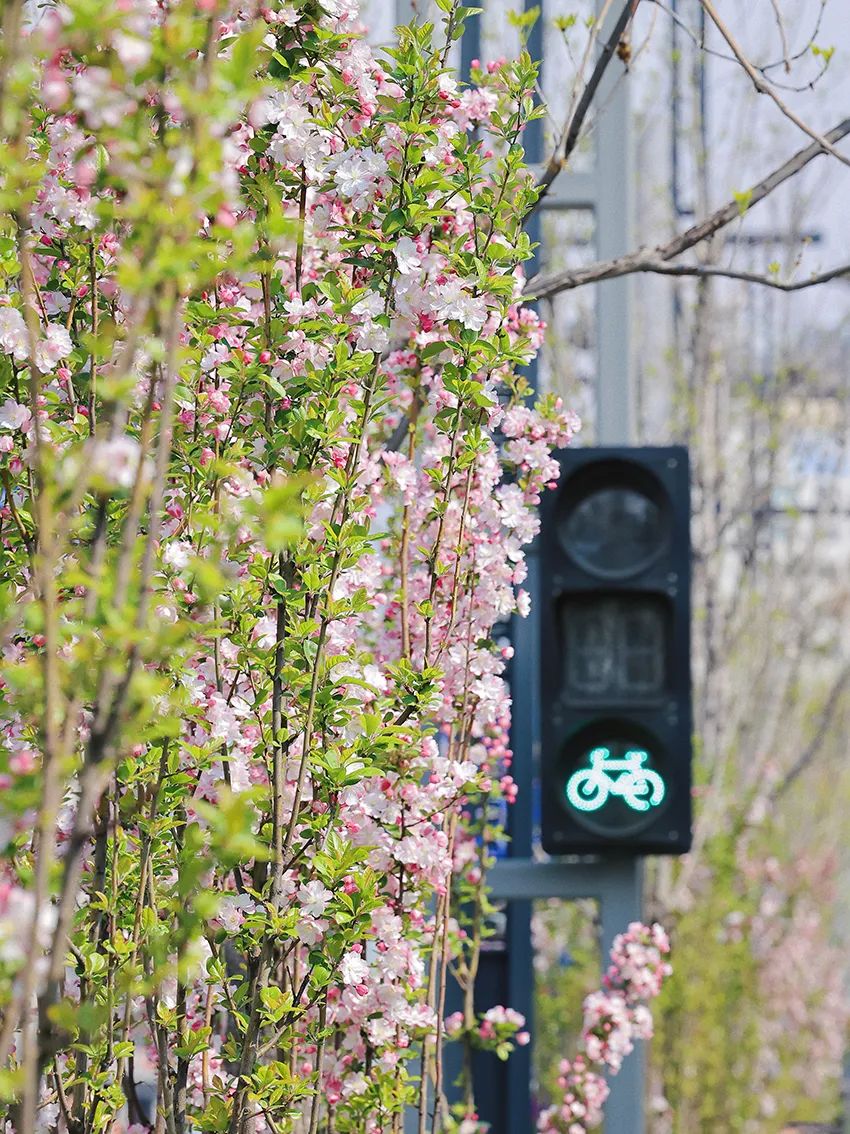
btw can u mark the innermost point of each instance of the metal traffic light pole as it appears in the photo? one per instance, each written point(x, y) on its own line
point(615, 425)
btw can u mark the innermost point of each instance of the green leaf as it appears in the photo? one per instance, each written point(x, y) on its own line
point(243, 55)
point(281, 514)
point(743, 199)
point(394, 221)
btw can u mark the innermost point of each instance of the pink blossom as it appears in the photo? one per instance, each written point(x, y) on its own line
point(13, 415)
point(115, 463)
point(55, 345)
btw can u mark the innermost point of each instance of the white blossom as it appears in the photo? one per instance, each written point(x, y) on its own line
point(314, 898)
point(14, 416)
point(13, 333)
point(353, 969)
point(407, 256)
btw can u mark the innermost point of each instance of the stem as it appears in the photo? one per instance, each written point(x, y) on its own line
point(320, 1056)
point(10, 500)
point(110, 700)
point(302, 214)
point(455, 592)
point(46, 593)
point(441, 523)
point(92, 399)
point(10, 46)
point(404, 552)
point(278, 752)
point(140, 899)
point(444, 968)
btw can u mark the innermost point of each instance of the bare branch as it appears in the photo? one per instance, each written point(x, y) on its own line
point(805, 49)
point(699, 41)
point(647, 259)
point(572, 130)
point(659, 267)
point(763, 86)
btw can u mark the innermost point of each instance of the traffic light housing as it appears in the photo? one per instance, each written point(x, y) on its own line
point(615, 653)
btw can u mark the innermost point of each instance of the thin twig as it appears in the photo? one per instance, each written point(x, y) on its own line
point(699, 41)
point(764, 87)
point(54, 706)
point(783, 38)
point(826, 718)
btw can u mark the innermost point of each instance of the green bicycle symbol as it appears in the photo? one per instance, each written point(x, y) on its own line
point(640, 788)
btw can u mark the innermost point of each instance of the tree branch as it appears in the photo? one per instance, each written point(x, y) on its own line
point(645, 259)
point(573, 128)
point(659, 267)
point(764, 87)
point(826, 717)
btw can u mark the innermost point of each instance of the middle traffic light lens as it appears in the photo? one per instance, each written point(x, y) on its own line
point(615, 647)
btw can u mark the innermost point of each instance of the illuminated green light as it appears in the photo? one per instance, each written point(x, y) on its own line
point(640, 788)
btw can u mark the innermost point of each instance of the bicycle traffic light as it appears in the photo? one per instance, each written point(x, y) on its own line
point(615, 653)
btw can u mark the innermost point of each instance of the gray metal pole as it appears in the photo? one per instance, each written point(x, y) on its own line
point(614, 178)
point(615, 425)
point(623, 903)
point(617, 885)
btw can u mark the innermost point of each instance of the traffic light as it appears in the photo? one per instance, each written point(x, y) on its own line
point(615, 653)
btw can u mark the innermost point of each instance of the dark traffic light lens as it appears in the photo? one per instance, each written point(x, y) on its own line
point(614, 532)
point(615, 647)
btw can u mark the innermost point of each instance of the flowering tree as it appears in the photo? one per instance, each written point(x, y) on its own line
point(261, 324)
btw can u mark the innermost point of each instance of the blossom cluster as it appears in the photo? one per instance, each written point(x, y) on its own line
point(614, 1017)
